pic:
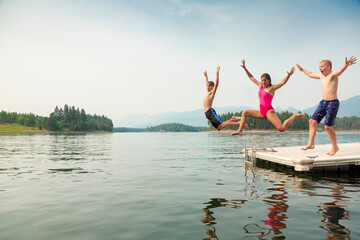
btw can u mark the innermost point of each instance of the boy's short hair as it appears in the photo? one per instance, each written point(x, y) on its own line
point(211, 83)
point(328, 62)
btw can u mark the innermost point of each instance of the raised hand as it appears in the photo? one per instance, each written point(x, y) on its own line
point(351, 61)
point(243, 63)
point(205, 73)
point(300, 68)
point(291, 71)
point(217, 70)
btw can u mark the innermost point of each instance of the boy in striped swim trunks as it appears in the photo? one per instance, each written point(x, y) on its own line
point(208, 100)
point(329, 106)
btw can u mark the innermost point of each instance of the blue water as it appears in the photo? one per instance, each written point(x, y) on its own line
point(166, 186)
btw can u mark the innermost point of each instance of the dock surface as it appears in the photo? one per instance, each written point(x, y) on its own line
point(349, 154)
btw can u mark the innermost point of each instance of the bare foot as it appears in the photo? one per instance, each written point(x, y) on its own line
point(234, 119)
point(308, 147)
point(298, 115)
point(333, 151)
point(236, 133)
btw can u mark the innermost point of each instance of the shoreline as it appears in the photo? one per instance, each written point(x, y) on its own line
point(6, 129)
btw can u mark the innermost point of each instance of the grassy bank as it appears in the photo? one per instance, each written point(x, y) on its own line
point(18, 128)
point(10, 128)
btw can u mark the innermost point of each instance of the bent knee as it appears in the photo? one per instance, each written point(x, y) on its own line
point(245, 113)
point(312, 122)
point(281, 129)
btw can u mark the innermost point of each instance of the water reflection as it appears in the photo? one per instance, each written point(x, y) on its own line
point(79, 147)
point(250, 178)
point(209, 219)
point(255, 231)
point(42, 155)
point(277, 204)
point(333, 212)
point(68, 147)
point(278, 207)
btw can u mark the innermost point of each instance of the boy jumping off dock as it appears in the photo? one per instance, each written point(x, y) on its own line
point(329, 106)
point(208, 100)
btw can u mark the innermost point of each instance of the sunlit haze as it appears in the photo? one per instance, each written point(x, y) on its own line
point(117, 58)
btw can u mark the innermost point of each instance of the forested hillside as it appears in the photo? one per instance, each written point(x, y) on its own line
point(77, 120)
point(68, 118)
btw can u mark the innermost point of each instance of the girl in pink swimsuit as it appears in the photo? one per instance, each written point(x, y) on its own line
point(266, 94)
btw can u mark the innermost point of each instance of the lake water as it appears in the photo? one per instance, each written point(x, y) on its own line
point(166, 186)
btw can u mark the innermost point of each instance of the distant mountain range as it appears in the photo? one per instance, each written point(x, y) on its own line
point(348, 107)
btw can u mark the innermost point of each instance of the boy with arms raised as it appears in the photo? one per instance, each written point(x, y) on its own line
point(210, 113)
point(329, 106)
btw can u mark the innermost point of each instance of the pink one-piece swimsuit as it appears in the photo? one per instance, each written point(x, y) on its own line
point(265, 101)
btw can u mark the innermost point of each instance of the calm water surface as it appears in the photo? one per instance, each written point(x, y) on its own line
point(166, 186)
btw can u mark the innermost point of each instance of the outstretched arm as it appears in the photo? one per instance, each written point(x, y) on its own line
point(217, 79)
point(249, 74)
point(349, 62)
point(206, 80)
point(284, 81)
point(308, 73)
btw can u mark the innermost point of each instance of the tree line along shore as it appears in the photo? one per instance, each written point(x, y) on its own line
point(299, 125)
point(67, 119)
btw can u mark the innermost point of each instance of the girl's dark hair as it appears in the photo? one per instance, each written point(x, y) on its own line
point(211, 83)
point(267, 76)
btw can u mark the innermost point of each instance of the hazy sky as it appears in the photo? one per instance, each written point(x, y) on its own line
point(133, 57)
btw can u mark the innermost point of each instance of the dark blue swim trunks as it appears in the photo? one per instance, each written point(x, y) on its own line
point(327, 109)
point(213, 117)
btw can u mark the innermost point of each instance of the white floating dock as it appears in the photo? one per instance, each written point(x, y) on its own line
point(349, 154)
